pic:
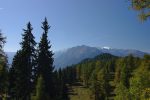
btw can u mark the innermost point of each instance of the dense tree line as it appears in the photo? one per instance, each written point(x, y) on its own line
point(93, 74)
point(127, 77)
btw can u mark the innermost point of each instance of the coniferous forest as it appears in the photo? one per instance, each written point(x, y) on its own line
point(33, 76)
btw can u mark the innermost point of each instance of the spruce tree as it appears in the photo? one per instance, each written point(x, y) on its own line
point(45, 61)
point(15, 77)
point(24, 64)
point(28, 51)
point(61, 86)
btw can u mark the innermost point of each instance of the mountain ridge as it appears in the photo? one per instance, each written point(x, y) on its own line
point(64, 57)
point(76, 54)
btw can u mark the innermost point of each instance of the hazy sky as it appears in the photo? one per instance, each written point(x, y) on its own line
point(75, 22)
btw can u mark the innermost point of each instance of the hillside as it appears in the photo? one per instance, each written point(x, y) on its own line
point(107, 77)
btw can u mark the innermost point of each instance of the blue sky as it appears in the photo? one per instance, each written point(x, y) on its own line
point(75, 22)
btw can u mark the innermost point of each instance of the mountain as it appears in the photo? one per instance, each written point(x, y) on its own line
point(76, 54)
point(123, 52)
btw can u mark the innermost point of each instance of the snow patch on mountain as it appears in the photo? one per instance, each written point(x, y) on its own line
point(105, 47)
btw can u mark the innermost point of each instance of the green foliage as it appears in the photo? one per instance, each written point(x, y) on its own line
point(40, 89)
point(61, 85)
point(97, 75)
point(140, 82)
point(124, 69)
point(121, 92)
point(3, 67)
point(99, 84)
point(123, 74)
point(94, 74)
point(33, 73)
point(13, 78)
point(143, 6)
point(3, 77)
point(124, 77)
point(105, 57)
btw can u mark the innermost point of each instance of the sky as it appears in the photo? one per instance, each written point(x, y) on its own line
point(96, 23)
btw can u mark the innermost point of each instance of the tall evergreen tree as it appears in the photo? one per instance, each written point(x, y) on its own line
point(45, 61)
point(15, 77)
point(28, 51)
point(60, 85)
point(24, 64)
point(12, 80)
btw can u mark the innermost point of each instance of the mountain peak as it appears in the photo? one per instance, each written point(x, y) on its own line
point(105, 47)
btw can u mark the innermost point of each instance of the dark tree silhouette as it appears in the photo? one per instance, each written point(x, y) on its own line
point(24, 64)
point(45, 62)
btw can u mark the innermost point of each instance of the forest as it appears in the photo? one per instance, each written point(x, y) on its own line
point(113, 78)
point(32, 75)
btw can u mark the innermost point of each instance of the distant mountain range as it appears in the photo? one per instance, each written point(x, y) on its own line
point(76, 54)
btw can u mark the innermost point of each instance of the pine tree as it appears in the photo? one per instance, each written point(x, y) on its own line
point(15, 87)
point(12, 80)
point(28, 51)
point(24, 64)
point(62, 88)
point(45, 61)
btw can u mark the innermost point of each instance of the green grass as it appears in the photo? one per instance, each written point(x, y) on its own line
point(78, 92)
